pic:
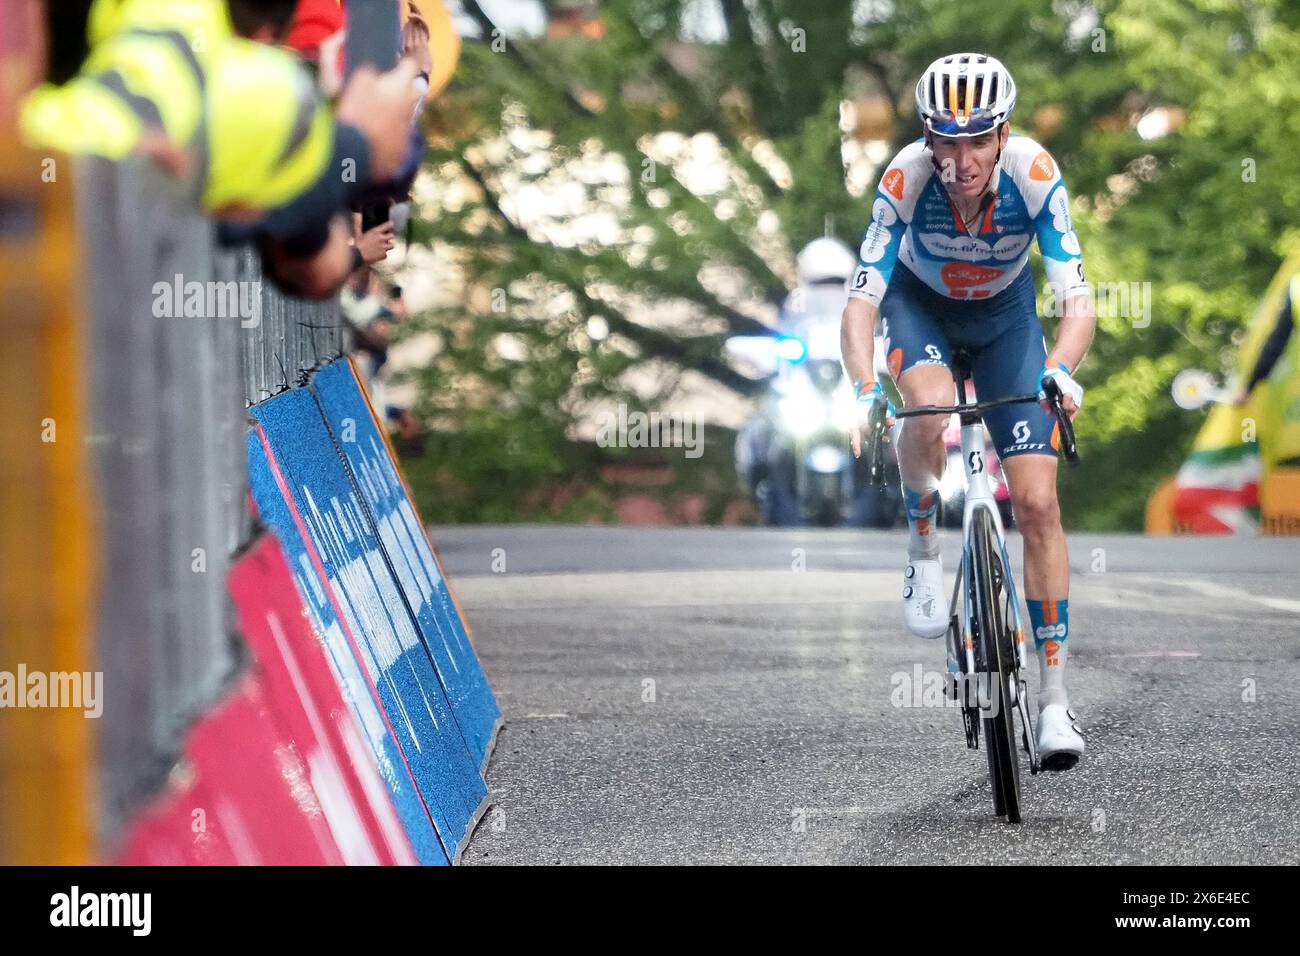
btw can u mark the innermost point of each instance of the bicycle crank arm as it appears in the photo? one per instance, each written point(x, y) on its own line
point(1026, 728)
point(971, 723)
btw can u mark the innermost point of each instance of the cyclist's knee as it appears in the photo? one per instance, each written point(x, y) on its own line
point(924, 431)
point(926, 385)
point(1036, 508)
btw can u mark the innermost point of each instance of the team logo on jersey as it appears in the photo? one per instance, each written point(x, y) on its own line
point(968, 249)
point(874, 243)
point(893, 183)
point(1042, 168)
point(1010, 247)
point(963, 275)
point(883, 213)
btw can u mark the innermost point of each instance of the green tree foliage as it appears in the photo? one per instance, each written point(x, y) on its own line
point(629, 124)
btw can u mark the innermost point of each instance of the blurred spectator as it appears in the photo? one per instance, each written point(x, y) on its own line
point(317, 33)
point(238, 121)
point(372, 310)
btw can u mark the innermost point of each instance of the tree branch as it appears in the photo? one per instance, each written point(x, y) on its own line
point(659, 344)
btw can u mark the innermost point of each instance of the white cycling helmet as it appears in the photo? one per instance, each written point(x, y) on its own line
point(965, 94)
point(825, 260)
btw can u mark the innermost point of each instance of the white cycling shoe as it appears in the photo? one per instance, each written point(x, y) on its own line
point(925, 602)
point(1060, 743)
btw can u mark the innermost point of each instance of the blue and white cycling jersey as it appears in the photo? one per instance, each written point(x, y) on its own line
point(914, 222)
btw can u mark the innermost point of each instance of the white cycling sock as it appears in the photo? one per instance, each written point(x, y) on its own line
point(922, 507)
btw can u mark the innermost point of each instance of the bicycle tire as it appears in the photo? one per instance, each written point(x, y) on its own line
point(992, 658)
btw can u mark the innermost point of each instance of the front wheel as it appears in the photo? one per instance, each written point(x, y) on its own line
point(995, 665)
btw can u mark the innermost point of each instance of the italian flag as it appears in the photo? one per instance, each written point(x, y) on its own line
point(1217, 489)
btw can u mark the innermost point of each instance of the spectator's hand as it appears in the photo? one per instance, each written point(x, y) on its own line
point(381, 106)
point(330, 74)
point(374, 245)
point(415, 39)
point(154, 145)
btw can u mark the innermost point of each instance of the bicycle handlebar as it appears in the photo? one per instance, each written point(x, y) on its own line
point(972, 407)
point(877, 425)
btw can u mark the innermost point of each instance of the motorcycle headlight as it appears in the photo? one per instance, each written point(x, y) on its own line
point(827, 460)
point(844, 410)
point(803, 413)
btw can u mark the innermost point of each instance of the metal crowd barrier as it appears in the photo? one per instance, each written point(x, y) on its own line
point(171, 378)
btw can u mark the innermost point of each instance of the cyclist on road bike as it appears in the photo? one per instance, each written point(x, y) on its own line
point(944, 263)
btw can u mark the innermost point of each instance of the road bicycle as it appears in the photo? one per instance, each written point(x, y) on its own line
point(986, 633)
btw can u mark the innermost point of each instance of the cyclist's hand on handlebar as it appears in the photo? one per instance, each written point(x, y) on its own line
point(870, 398)
point(1071, 391)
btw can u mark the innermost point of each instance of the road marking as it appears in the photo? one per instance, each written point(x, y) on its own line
point(1159, 654)
point(701, 589)
point(1211, 589)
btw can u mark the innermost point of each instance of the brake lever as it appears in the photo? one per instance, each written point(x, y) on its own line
point(1068, 447)
point(876, 426)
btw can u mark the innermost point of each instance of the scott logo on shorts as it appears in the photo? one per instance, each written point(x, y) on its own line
point(1020, 435)
point(933, 356)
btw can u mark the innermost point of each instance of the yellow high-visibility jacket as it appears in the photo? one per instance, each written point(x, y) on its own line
point(249, 114)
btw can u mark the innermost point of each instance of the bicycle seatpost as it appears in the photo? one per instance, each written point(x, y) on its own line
point(961, 375)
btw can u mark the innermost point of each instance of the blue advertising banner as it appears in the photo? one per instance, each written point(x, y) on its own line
point(407, 550)
point(325, 512)
point(278, 512)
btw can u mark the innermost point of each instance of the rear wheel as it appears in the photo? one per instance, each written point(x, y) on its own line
point(994, 663)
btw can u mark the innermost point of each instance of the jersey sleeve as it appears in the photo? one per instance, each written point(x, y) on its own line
point(891, 213)
point(1049, 204)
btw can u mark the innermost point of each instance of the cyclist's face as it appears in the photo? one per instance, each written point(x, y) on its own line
point(965, 163)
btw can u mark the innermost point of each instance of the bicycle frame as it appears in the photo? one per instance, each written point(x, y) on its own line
point(979, 494)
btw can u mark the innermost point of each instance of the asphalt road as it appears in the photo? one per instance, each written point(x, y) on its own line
point(738, 696)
